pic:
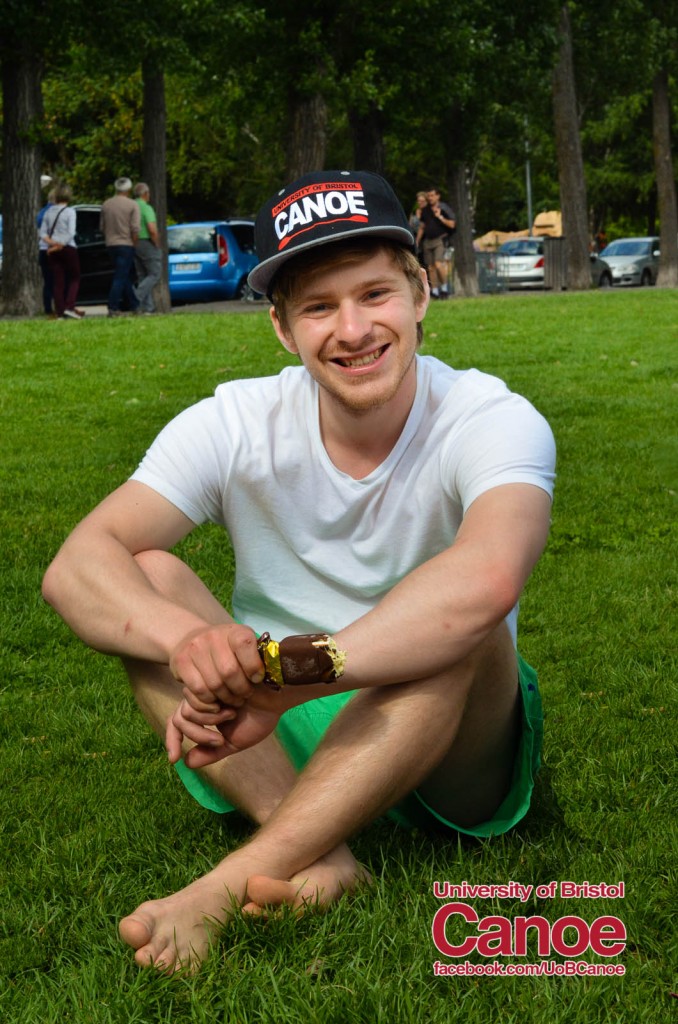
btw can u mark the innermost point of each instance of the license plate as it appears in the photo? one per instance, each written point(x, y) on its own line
point(186, 268)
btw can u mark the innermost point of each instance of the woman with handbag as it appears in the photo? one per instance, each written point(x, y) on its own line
point(58, 231)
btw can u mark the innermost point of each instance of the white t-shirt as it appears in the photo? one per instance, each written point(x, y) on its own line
point(314, 548)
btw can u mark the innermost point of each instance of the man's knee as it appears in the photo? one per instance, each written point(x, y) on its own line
point(473, 777)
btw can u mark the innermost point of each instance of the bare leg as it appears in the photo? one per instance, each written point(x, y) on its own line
point(442, 273)
point(176, 930)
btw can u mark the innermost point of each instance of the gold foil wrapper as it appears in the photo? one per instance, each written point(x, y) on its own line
point(269, 651)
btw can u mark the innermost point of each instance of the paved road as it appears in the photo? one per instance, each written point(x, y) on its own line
point(198, 307)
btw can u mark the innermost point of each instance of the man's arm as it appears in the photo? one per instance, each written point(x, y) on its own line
point(444, 609)
point(97, 587)
point(135, 225)
point(446, 217)
point(152, 225)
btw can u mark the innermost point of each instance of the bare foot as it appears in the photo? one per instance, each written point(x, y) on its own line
point(176, 932)
point(322, 883)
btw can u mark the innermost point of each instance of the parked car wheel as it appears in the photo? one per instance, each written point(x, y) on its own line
point(601, 274)
point(246, 293)
point(646, 279)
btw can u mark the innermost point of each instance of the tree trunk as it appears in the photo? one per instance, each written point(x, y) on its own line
point(651, 224)
point(570, 162)
point(666, 186)
point(458, 137)
point(465, 274)
point(307, 136)
point(22, 112)
point(154, 165)
point(368, 139)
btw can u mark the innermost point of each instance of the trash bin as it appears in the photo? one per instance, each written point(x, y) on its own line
point(555, 264)
point(490, 281)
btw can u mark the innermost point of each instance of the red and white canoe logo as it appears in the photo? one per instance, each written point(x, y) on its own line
point(325, 203)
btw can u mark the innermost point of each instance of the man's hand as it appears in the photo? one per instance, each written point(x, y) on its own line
point(221, 733)
point(223, 710)
point(218, 666)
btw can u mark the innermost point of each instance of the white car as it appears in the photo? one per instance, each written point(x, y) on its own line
point(520, 262)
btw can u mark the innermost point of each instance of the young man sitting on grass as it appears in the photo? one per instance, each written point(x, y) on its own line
point(377, 499)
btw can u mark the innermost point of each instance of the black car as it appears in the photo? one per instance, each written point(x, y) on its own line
point(96, 269)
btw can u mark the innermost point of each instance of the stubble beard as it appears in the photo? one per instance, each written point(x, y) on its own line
point(358, 397)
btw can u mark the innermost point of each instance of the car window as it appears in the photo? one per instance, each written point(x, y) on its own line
point(87, 228)
point(627, 248)
point(522, 248)
point(191, 240)
point(244, 236)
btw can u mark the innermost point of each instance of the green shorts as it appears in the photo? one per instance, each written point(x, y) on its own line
point(300, 730)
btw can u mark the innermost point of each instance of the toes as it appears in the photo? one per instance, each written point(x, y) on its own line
point(136, 930)
point(272, 892)
point(252, 909)
point(164, 959)
point(145, 958)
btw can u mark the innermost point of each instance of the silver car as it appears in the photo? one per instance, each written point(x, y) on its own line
point(633, 260)
point(520, 263)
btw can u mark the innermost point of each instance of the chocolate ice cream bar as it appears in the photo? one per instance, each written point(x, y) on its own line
point(301, 660)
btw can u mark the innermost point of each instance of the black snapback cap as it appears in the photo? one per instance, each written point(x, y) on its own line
point(322, 207)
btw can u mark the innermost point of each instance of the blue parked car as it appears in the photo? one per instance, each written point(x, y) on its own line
point(210, 260)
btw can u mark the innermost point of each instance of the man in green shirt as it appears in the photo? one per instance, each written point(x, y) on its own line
point(147, 253)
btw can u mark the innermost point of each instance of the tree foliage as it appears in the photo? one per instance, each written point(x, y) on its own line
point(433, 93)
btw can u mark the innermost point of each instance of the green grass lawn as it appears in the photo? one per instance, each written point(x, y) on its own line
point(93, 819)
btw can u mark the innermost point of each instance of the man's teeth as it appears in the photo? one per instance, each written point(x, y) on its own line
point(362, 360)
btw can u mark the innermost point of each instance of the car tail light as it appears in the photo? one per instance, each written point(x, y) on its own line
point(222, 247)
point(539, 263)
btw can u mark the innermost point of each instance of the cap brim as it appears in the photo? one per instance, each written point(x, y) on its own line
point(261, 277)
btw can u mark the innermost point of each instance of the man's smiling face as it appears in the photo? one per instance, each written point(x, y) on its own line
point(354, 327)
